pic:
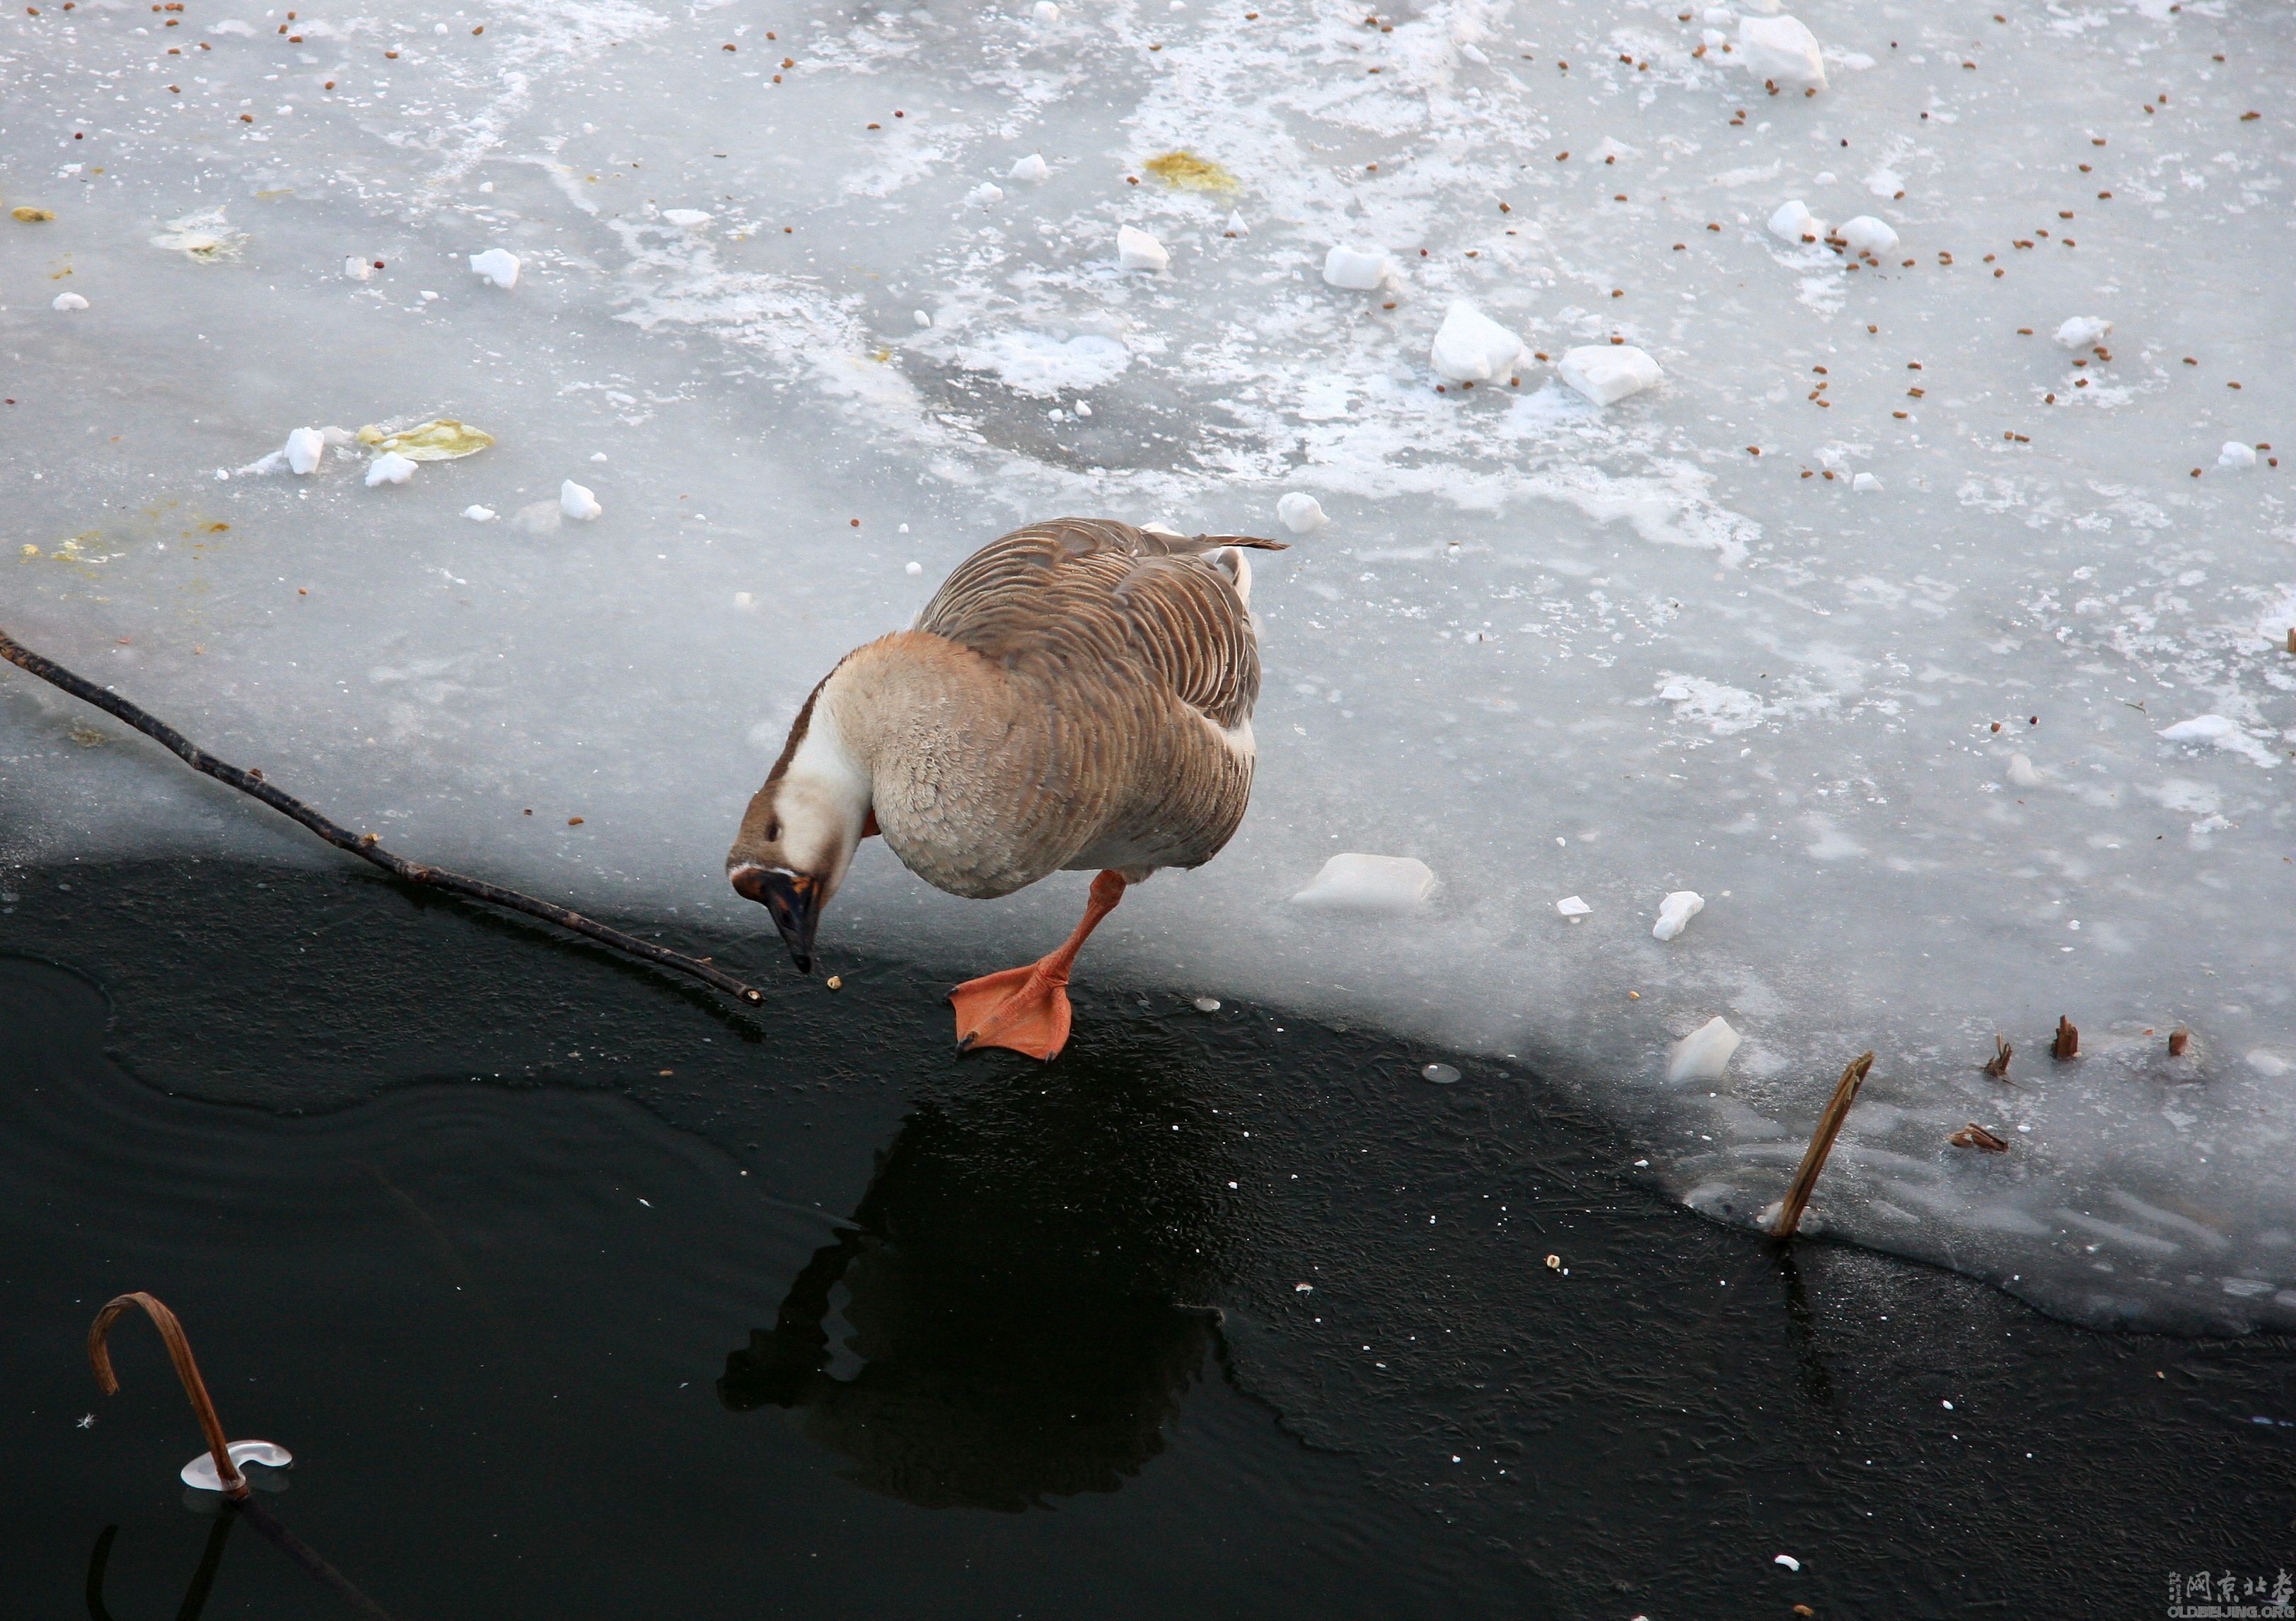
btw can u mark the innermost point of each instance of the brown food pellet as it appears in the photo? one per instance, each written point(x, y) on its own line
point(573, 821)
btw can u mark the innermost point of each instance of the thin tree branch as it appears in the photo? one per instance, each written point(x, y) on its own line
point(364, 845)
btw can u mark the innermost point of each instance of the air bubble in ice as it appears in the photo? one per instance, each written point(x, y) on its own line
point(1442, 1074)
point(497, 267)
point(1377, 884)
point(1206, 1005)
point(1608, 373)
point(1704, 1054)
point(1301, 512)
point(1675, 912)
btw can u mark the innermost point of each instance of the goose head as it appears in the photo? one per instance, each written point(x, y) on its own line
point(797, 838)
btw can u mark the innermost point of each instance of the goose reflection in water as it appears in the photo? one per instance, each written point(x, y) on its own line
point(1025, 1284)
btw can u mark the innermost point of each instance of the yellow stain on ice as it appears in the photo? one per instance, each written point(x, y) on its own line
point(1184, 171)
point(282, 191)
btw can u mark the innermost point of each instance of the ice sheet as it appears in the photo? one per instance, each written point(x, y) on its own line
point(1528, 621)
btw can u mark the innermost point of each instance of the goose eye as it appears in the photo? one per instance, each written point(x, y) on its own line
point(774, 833)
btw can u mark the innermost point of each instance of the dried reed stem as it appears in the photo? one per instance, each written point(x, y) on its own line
point(1821, 1144)
point(364, 845)
point(187, 1368)
point(2067, 1045)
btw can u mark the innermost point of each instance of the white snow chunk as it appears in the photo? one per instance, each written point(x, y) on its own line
point(1608, 373)
point(1675, 912)
point(985, 195)
point(1865, 484)
point(1571, 906)
point(231, 25)
point(913, 569)
point(1472, 348)
point(497, 267)
point(478, 514)
point(1867, 235)
point(1787, 1560)
point(72, 300)
point(1235, 225)
point(1795, 223)
point(305, 448)
point(922, 318)
point(201, 1471)
point(1782, 48)
point(2235, 454)
point(2022, 772)
point(359, 270)
point(2083, 332)
point(2221, 731)
point(1136, 249)
point(1704, 1054)
point(1376, 884)
point(389, 468)
point(1301, 512)
point(1885, 182)
point(1031, 168)
point(1358, 269)
point(577, 502)
point(1718, 16)
point(1045, 13)
point(687, 218)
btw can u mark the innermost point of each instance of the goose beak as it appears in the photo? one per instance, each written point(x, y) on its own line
point(793, 899)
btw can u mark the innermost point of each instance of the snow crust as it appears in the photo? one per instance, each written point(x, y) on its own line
point(1749, 634)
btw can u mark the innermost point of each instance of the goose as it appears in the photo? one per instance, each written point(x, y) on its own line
point(1077, 696)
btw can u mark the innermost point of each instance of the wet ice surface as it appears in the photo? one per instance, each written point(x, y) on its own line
point(1549, 649)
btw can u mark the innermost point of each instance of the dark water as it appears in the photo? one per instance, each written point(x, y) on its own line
point(578, 1293)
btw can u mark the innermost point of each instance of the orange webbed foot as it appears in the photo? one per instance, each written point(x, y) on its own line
point(1024, 1009)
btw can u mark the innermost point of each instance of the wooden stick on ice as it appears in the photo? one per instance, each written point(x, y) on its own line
point(1821, 1144)
point(364, 845)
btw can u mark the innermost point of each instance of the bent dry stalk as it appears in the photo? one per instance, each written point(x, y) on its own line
point(234, 1483)
point(187, 1368)
point(364, 845)
point(1821, 1144)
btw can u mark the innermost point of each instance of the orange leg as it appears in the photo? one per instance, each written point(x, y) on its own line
point(1027, 1009)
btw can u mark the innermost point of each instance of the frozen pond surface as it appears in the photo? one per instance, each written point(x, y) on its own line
point(790, 307)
